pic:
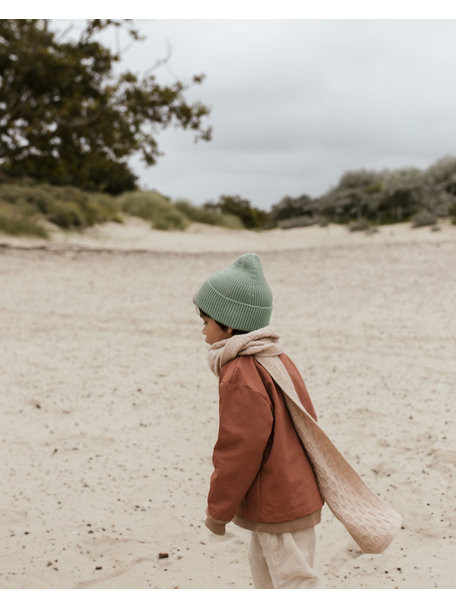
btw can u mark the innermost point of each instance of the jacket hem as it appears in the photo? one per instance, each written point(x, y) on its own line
point(308, 521)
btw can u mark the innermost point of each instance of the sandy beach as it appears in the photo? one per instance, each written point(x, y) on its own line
point(108, 409)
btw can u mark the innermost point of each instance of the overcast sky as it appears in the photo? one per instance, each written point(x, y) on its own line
point(296, 103)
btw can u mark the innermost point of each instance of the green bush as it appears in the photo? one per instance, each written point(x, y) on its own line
point(66, 215)
point(171, 220)
point(423, 218)
point(64, 206)
point(17, 225)
point(251, 217)
point(107, 206)
point(154, 208)
point(35, 197)
point(302, 222)
point(208, 216)
point(74, 208)
point(359, 225)
point(452, 212)
point(290, 208)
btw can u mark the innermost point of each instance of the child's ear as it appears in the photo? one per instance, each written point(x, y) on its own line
point(230, 331)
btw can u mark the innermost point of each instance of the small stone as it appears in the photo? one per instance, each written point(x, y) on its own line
point(163, 555)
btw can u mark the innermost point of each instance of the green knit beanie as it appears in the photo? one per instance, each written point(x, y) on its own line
point(237, 296)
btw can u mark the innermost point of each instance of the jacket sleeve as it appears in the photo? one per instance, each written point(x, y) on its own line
point(245, 425)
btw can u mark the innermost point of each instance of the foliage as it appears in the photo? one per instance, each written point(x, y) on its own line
point(363, 198)
point(65, 117)
point(442, 175)
point(19, 224)
point(154, 208)
point(381, 197)
point(250, 217)
point(452, 213)
point(289, 208)
point(302, 222)
point(423, 218)
point(360, 225)
point(208, 216)
point(29, 205)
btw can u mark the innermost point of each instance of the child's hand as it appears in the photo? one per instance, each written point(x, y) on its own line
point(215, 525)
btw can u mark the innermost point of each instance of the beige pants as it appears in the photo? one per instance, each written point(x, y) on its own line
point(283, 561)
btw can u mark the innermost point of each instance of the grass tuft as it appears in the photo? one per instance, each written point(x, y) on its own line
point(208, 216)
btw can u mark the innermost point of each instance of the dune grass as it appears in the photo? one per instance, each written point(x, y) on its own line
point(25, 207)
point(208, 216)
point(28, 208)
point(153, 208)
point(17, 224)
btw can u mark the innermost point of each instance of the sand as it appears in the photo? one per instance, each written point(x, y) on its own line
point(108, 409)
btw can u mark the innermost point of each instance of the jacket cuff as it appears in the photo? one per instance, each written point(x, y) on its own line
point(216, 526)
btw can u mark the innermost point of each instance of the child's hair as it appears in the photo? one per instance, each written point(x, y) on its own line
point(236, 332)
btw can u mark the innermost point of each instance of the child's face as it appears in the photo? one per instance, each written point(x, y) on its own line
point(213, 331)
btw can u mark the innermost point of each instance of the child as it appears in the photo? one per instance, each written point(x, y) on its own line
point(264, 480)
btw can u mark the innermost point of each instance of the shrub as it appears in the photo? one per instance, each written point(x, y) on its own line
point(452, 212)
point(65, 206)
point(251, 217)
point(289, 208)
point(301, 222)
point(73, 208)
point(359, 225)
point(108, 208)
point(154, 208)
point(17, 225)
point(66, 215)
point(209, 216)
point(171, 220)
point(423, 218)
point(34, 197)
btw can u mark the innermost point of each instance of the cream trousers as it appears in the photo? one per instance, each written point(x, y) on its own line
point(283, 561)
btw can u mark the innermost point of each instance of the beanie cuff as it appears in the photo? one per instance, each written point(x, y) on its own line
point(232, 313)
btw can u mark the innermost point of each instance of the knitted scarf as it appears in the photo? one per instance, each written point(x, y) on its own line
point(371, 522)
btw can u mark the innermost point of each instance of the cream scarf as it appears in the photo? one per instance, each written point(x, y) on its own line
point(372, 523)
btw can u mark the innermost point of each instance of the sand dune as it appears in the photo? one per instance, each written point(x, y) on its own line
point(109, 412)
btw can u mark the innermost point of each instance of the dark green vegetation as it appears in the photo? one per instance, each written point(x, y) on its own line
point(363, 199)
point(69, 122)
point(208, 215)
point(32, 209)
point(26, 207)
point(249, 216)
point(68, 117)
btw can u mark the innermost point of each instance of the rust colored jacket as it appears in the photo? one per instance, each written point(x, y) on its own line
point(262, 476)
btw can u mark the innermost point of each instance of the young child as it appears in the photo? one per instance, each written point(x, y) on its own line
point(263, 480)
point(274, 467)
